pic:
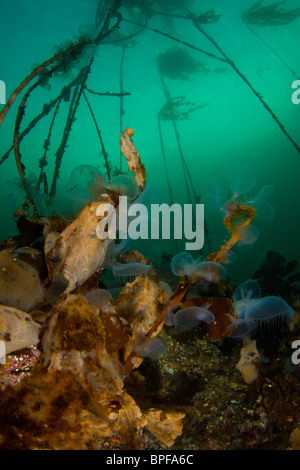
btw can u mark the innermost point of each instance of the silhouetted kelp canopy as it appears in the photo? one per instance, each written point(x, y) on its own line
point(270, 15)
point(177, 63)
point(120, 23)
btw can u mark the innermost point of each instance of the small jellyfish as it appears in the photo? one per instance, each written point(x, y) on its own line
point(128, 272)
point(32, 179)
point(191, 316)
point(123, 185)
point(243, 329)
point(166, 288)
point(247, 290)
point(268, 310)
point(264, 194)
point(264, 209)
point(86, 181)
point(248, 235)
point(244, 294)
point(212, 198)
point(241, 179)
point(67, 205)
point(153, 348)
point(183, 264)
point(169, 318)
point(98, 298)
point(206, 272)
point(202, 272)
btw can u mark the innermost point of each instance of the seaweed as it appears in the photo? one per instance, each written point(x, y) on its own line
point(175, 63)
point(270, 15)
point(278, 275)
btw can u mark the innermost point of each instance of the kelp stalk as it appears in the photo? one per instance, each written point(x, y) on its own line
point(121, 95)
point(73, 50)
point(105, 154)
point(200, 28)
point(70, 119)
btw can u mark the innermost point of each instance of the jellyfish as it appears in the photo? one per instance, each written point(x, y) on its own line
point(99, 298)
point(84, 185)
point(123, 185)
point(256, 311)
point(201, 272)
point(247, 290)
point(153, 348)
point(183, 264)
point(144, 347)
point(248, 235)
point(128, 272)
point(264, 209)
point(123, 272)
point(214, 198)
point(86, 181)
point(243, 295)
point(206, 272)
point(190, 317)
point(268, 310)
point(241, 179)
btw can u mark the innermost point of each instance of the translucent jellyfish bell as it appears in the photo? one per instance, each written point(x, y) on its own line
point(154, 348)
point(191, 316)
point(207, 272)
point(128, 272)
point(268, 310)
point(211, 197)
point(264, 209)
point(244, 294)
point(123, 185)
point(82, 173)
point(247, 290)
point(241, 179)
point(86, 181)
point(99, 298)
point(248, 235)
point(166, 288)
point(264, 194)
point(32, 179)
point(67, 205)
point(182, 264)
point(243, 329)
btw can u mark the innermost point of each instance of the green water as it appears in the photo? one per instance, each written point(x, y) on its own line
point(230, 127)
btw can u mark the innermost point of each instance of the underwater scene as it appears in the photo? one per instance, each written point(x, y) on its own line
point(149, 234)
